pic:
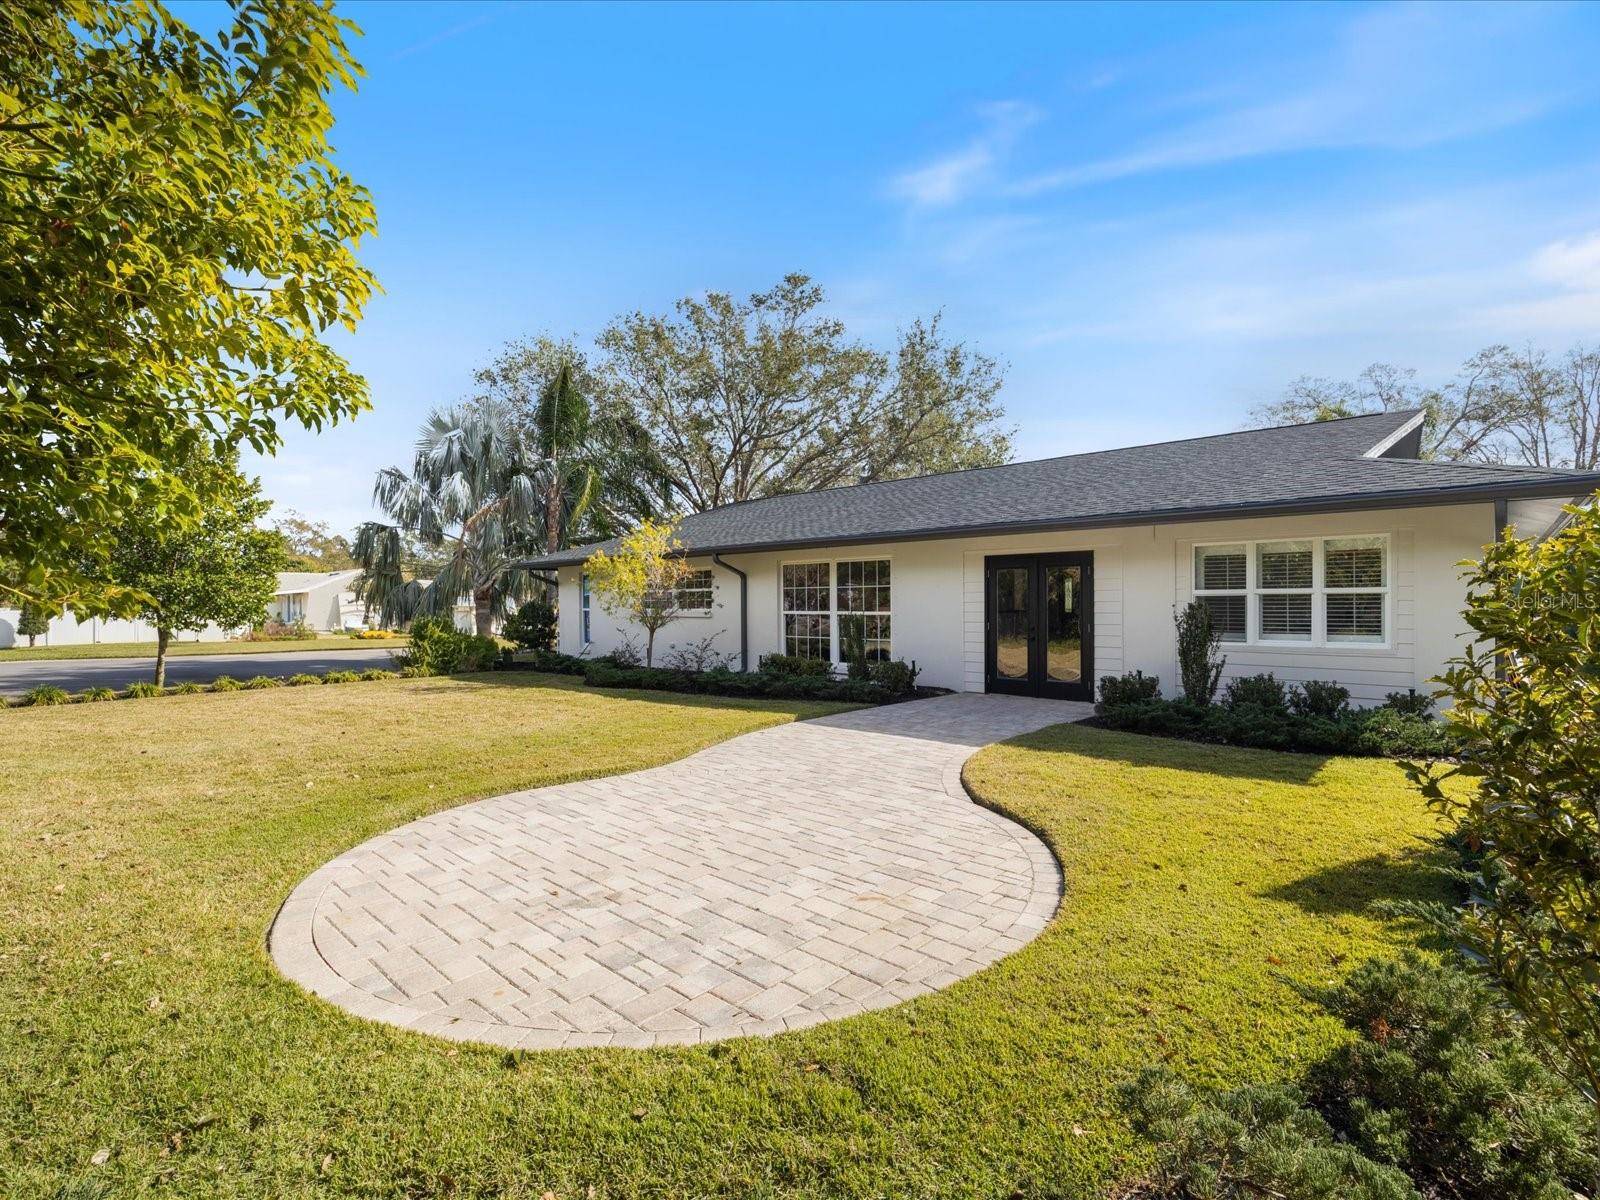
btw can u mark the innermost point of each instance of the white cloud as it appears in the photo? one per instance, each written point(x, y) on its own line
point(1571, 263)
point(951, 178)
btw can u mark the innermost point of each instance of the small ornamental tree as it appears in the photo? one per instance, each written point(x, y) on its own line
point(1526, 713)
point(1199, 668)
point(224, 570)
point(533, 626)
point(640, 581)
point(34, 622)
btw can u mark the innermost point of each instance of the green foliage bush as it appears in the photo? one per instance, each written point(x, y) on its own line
point(188, 688)
point(280, 631)
point(754, 684)
point(439, 648)
point(44, 695)
point(1199, 668)
point(552, 663)
point(225, 683)
point(1132, 688)
point(1392, 732)
point(1443, 1082)
point(140, 691)
point(1412, 704)
point(793, 664)
point(1376, 731)
point(1320, 698)
point(341, 677)
point(96, 695)
point(256, 682)
point(375, 673)
point(1249, 1143)
point(1438, 1093)
point(1264, 691)
point(895, 675)
point(533, 626)
point(301, 679)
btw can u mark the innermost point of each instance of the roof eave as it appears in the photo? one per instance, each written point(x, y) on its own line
point(1575, 486)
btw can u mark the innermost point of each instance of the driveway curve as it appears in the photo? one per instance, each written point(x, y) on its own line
point(782, 878)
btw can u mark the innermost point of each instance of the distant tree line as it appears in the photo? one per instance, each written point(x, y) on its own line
point(1523, 406)
point(718, 401)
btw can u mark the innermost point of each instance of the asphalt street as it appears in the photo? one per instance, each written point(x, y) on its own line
point(75, 674)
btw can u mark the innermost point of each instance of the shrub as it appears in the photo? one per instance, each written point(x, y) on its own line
point(95, 695)
point(373, 635)
point(793, 664)
point(225, 683)
point(439, 648)
point(895, 676)
point(1249, 1143)
point(1133, 688)
point(1319, 698)
point(752, 684)
point(33, 622)
point(373, 673)
point(416, 672)
point(1412, 703)
point(1198, 665)
point(1442, 1082)
point(341, 677)
point(1438, 1093)
point(627, 653)
point(701, 655)
point(279, 631)
point(188, 688)
point(1395, 733)
point(1264, 691)
point(853, 646)
point(552, 663)
point(303, 680)
point(140, 691)
point(45, 695)
point(533, 626)
point(262, 681)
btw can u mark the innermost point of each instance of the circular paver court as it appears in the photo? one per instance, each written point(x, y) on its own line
point(781, 878)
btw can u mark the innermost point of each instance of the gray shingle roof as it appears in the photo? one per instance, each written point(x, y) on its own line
point(1321, 466)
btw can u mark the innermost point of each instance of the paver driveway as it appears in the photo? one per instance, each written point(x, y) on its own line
point(786, 877)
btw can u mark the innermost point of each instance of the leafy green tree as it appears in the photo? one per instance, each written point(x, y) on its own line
point(471, 498)
point(533, 626)
point(755, 398)
point(222, 570)
point(174, 238)
point(33, 622)
point(312, 546)
point(640, 580)
point(1526, 713)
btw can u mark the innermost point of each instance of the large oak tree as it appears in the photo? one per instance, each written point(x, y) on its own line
point(749, 398)
point(174, 240)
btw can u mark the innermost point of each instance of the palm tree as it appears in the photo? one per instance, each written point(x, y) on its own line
point(568, 477)
point(475, 495)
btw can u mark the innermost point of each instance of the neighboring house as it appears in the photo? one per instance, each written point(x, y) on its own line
point(324, 600)
point(1324, 551)
point(68, 630)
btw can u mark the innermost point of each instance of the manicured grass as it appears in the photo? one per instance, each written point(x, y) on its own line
point(335, 641)
point(151, 842)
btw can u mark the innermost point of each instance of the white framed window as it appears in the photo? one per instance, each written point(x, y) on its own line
point(583, 606)
point(862, 593)
point(694, 594)
point(819, 598)
point(1312, 591)
point(807, 613)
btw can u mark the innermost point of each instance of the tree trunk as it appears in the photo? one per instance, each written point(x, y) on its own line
point(552, 517)
point(163, 636)
point(482, 612)
point(649, 647)
point(32, 637)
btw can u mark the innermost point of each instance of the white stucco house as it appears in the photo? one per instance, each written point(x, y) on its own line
point(324, 600)
point(1324, 551)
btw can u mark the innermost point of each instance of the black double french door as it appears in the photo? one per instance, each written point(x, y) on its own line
point(1039, 625)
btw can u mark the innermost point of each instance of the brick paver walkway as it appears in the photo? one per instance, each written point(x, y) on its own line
point(782, 878)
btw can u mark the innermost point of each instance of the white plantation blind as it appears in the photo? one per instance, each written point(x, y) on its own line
point(1320, 591)
point(1355, 572)
point(1283, 565)
point(1220, 568)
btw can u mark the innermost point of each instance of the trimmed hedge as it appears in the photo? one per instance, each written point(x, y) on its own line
point(752, 685)
point(1261, 713)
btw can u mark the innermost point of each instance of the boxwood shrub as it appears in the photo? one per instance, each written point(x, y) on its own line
point(755, 684)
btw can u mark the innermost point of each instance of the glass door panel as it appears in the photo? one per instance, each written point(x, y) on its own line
point(1063, 607)
point(1012, 618)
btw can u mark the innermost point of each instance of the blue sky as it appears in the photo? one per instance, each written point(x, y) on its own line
point(1157, 216)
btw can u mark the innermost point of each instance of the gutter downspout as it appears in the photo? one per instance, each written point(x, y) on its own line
point(744, 611)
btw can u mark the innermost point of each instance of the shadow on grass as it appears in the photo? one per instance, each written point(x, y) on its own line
point(1148, 750)
point(1355, 886)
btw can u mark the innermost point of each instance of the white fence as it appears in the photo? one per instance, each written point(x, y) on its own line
point(68, 630)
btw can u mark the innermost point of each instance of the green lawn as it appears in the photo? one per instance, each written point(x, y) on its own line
point(336, 641)
point(150, 842)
